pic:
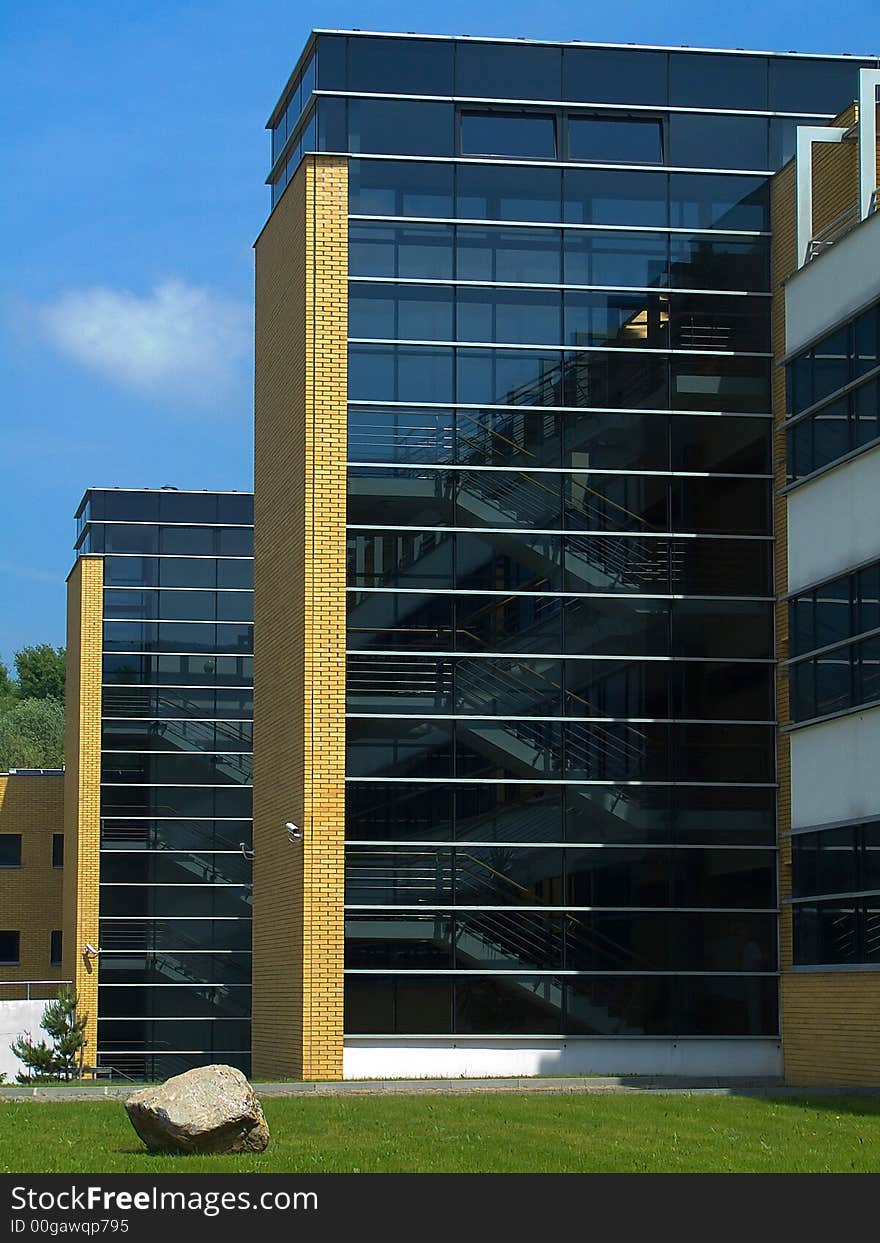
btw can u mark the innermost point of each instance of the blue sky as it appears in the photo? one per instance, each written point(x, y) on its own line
point(133, 157)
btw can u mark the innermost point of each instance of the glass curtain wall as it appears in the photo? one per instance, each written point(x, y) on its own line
point(177, 738)
point(560, 769)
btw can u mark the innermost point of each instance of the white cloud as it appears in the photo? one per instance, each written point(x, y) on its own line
point(180, 341)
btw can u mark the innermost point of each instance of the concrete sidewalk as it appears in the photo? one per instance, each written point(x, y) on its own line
point(461, 1087)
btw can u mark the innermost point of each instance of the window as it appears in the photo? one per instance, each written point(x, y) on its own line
point(57, 850)
point(614, 76)
point(10, 948)
point(697, 141)
point(523, 135)
point(399, 127)
point(616, 140)
point(502, 70)
point(708, 80)
point(10, 850)
point(55, 947)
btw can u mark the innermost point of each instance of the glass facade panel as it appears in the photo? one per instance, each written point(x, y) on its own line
point(177, 737)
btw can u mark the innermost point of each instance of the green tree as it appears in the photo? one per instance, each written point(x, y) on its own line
point(40, 672)
point(7, 686)
point(31, 734)
point(66, 1028)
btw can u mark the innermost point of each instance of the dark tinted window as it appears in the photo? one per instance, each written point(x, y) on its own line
point(396, 188)
point(9, 947)
point(710, 81)
point(505, 71)
point(405, 251)
point(400, 67)
point(55, 947)
point(801, 85)
point(503, 192)
point(604, 196)
point(400, 127)
point(615, 140)
point(614, 76)
point(708, 201)
point(10, 850)
point(718, 141)
point(57, 850)
point(331, 62)
point(519, 135)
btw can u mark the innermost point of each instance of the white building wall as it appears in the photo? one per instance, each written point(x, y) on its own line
point(833, 286)
point(834, 521)
point(17, 1017)
point(835, 769)
point(445, 1058)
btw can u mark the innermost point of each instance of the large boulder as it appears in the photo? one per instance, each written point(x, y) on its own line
point(209, 1109)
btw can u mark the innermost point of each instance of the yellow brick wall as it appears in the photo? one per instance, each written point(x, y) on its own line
point(299, 614)
point(830, 1020)
point(82, 784)
point(31, 896)
point(831, 1027)
point(835, 174)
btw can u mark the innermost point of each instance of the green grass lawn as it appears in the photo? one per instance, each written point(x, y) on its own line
point(506, 1134)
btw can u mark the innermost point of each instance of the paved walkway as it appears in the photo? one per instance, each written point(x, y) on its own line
point(462, 1087)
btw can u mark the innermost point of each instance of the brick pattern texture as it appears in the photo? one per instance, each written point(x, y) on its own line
point(830, 1020)
point(31, 896)
point(299, 614)
point(82, 784)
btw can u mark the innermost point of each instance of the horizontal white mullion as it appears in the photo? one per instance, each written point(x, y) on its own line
point(202, 720)
point(544, 972)
point(556, 470)
point(157, 984)
point(566, 781)
point(520, 409)
point(167, 919)
point(575, 107)
point(149, 884)
point(528, 163)
point(561, 285)
point(152, 587)
point(447, 908)
point(425, 717)
point(166, 1018)
point(181, 556)
point(486, 222)
point(162, 852)
point(152, 522)
point(566, 595)
point(570, 531)
point(523, 656)
point(557, 348)
point(172, 686)
point(170, 751)
point(210, 819)
point(177, 621)
point(210, 655)
point(466, 844)
point(171, 785)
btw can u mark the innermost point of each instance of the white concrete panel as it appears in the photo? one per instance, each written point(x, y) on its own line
point(17, 1017)
point(834, 522)
point(832, 286)
point(481, 1059)
point(835, 770)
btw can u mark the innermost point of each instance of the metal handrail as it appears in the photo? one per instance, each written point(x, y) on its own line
point(28, 984)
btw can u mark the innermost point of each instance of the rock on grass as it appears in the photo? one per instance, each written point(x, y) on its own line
point(209, 1109)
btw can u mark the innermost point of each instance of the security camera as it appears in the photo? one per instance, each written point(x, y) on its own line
point(293, 832)
point(90, 950)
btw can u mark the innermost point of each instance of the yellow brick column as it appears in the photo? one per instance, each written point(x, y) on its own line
point(82, 785)
point(299, 614)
